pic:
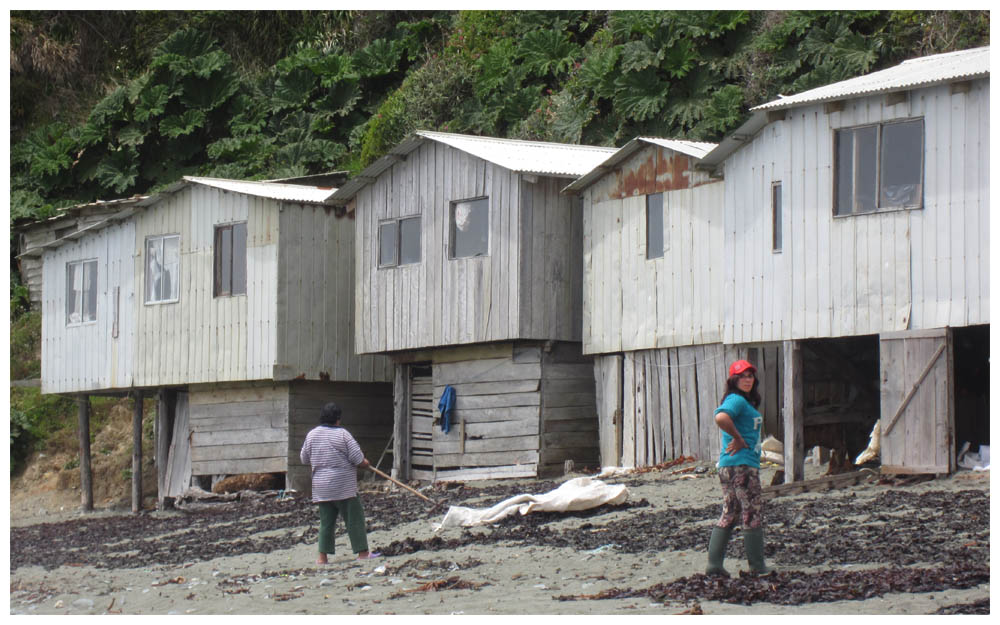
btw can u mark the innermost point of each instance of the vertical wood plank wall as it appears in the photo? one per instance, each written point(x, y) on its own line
point(569, 412)
point(861, 274)
point(202, 338)
point(367, 415)
point(440, 301)
point(315, 299)
point(668, 399)
point(87, 357)
point(631, 302)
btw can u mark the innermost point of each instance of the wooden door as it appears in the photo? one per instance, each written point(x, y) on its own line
point(918, 401)
point(421, 420)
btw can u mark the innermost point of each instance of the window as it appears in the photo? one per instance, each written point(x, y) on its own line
point(879, 167)
point(470, 228)
point(655, 242)
point(81, 292)
point(399, 242)
point(775, 216)
point(163, 263)
point(230, 260)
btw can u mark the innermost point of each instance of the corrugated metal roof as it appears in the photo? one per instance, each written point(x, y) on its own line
point(927, 70)
point(79, 234)
point(528, 157)
point(694, 149)
point(272, 190)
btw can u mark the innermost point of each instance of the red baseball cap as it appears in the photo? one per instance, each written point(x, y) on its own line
point(739, 367)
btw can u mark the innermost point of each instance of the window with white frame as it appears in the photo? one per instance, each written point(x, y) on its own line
point(776, 216)
point(230, 260)
point(470, 228)
point(163, 267)
point(879, 167)
point(399, 242)
point(656, 243)
point(81, 292)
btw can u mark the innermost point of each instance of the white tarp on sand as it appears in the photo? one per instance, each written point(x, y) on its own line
point(581, 493)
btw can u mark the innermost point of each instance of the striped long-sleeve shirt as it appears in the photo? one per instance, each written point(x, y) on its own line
point(334, 456)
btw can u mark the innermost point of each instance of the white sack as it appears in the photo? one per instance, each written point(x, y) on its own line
point(581, 493)
point(874, 445)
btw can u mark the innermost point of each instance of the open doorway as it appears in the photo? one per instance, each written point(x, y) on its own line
point(972, 386)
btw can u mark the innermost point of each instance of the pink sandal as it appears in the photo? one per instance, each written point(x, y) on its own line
point(371, 555)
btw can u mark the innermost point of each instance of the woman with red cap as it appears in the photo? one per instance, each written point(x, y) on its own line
point(739, 470)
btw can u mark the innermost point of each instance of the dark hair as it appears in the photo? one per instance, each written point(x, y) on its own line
point(330, 414)
point(732, 387)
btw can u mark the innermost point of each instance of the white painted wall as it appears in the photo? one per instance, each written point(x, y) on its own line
point(860, 274)
point(88, 357)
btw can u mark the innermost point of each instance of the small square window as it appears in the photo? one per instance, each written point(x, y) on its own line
point(399, 242)
point(230, 259)
point(81, 292)
point(879, 167)
point(470, 228)
point(655, 240)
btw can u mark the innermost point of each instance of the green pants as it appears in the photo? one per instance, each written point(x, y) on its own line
point(354, 519)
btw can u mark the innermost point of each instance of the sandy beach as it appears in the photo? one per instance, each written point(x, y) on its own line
point(618, 559)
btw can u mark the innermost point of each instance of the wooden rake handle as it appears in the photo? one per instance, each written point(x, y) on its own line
point(412, 490)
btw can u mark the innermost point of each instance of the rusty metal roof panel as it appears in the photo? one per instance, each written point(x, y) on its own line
point(271, 190)
point(924, 71)
point(529, 157)
point(694, 149)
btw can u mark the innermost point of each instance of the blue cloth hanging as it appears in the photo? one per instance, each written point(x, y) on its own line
point(447, 408)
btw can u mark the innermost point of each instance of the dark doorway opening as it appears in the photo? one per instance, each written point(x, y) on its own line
point(972, 386)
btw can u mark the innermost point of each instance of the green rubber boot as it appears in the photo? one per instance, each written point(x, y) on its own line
point(753, 543)
point(717, 550)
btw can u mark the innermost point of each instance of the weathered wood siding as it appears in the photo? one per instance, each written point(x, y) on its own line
point(658, 405)
point(88, 357)
point(631, 302)
point(202, 338)
point(367, 415)
point(569, 411)
point(315, 299)
point(861, 274)
point(240, 428)
point(527, 287)
point(521, 410)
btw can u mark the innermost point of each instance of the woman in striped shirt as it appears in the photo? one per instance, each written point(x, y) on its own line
point(335, 457)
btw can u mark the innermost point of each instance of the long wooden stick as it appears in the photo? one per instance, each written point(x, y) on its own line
point(412, 490)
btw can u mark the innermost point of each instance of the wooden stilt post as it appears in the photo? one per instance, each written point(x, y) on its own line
point(794, 413)
point(137, 452)
point(86, 477)
point(163, 433)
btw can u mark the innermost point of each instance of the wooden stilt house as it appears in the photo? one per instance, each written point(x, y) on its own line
point(653, 301)
point(857, 239)
point(469, 277)
point(233, 302)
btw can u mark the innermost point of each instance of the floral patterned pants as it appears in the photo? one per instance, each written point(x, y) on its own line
point(741, 493)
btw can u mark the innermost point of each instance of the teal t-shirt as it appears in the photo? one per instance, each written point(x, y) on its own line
point(747, 421)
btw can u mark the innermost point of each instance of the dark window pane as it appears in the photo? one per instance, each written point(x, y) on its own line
point(776, 217)
point(239, 259)
point(470, 228)
point(387, 244)
point(866, 173)
point(170, 283)
point(90, 289)
point(224, 260)
point(73, 279)
point(409, 240)
point(844, 172)
point(654, 226)
point(902, 164)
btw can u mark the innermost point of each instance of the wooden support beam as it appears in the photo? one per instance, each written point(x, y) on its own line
point(163, 433)
point(86, 477)
point(137, 452)
point(401, 422)
point(794, 412)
